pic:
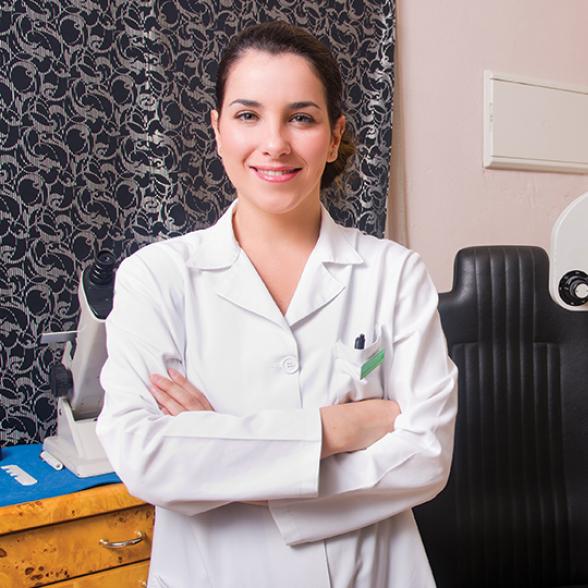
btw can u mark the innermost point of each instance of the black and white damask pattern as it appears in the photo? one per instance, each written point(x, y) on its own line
point(105, 143)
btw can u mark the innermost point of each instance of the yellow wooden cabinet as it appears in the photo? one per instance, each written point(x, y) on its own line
point(94, 538)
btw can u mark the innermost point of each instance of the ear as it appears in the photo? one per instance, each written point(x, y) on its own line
point(214, 118)
point(336, 137)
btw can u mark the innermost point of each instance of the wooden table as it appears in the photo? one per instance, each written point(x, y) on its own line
point(93, 538)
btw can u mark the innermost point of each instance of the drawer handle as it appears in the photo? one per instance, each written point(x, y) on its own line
point(122, 544)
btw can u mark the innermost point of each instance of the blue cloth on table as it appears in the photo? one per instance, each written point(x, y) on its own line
point(50, 481)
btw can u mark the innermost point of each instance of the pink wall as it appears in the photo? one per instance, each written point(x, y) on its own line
point(451, 201)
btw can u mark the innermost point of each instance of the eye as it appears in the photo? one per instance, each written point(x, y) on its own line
point(303, 118)
point(246, 116)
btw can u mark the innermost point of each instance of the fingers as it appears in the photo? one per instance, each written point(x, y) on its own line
point(183, 382)
point(167, 404)
point(176, 394)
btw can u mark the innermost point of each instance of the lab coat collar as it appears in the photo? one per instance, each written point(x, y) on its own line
point(333, 245)
point(241, 284)
point(219, 249)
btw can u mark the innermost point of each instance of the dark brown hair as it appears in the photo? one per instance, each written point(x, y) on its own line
point(280, 37)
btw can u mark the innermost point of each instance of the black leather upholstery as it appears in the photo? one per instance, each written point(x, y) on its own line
point(515, 511)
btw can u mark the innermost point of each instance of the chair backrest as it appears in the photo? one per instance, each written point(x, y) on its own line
point(515, 510)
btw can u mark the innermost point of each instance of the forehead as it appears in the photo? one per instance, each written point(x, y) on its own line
point(259, 74)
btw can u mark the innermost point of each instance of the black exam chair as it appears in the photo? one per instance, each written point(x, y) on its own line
point(515, 510)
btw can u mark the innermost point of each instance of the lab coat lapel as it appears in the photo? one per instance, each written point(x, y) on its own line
point(232, 274)
point(318, 286)
point(242, 286)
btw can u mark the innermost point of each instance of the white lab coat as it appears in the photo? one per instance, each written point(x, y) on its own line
point(197, 304)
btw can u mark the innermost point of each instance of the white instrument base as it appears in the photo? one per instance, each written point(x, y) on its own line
point(76, 444)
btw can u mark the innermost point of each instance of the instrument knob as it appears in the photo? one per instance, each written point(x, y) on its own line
point(61, 380)
point(573, 288)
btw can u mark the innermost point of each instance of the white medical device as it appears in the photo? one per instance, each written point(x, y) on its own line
point(568, 267)
point(76, 382)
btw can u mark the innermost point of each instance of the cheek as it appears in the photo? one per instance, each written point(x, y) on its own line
point(235, 144)
point(317, 147)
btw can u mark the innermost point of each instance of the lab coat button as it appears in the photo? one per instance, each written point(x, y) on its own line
point(290, 364)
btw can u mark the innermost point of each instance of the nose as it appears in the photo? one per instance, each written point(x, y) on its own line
point(276, 142)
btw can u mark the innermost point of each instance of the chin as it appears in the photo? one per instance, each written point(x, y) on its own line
point(284, 206)
point(281, 202)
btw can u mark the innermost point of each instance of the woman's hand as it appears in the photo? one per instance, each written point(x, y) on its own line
point(356, 425)
point(176, 394)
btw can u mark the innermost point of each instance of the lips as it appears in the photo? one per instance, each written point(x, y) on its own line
point(276, 174)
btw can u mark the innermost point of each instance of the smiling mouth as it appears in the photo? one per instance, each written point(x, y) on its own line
point(276, 175)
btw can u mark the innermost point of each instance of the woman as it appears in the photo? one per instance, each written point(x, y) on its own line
point(278, 385)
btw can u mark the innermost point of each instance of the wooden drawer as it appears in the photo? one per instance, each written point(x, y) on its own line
point(131, 576)
point(52, 553)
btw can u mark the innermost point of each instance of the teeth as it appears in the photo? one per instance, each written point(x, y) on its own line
point(275, 173)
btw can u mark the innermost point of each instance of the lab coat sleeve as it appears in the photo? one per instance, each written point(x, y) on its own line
point(408, 466)
point(197, 460)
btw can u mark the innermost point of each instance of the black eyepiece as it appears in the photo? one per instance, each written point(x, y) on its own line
point(102, 272)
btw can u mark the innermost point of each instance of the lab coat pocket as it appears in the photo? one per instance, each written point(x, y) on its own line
point(359, 371)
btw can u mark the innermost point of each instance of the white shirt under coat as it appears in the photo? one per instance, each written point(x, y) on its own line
point(196, 303)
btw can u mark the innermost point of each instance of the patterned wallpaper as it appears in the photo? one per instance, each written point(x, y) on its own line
point(105, 143)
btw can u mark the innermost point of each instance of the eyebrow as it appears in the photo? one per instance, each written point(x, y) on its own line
point(292, 105)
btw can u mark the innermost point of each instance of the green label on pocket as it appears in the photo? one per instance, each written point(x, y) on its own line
point(372, 363)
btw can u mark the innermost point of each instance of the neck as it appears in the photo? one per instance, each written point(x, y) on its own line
point(256, 228)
